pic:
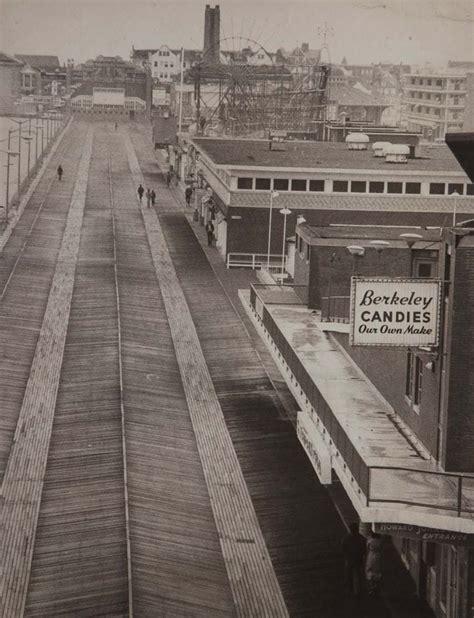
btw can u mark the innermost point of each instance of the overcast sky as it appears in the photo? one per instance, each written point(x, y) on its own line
point(411, 31)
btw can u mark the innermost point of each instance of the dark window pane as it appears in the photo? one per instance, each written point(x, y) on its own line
point(470, 189)
point(316, 185)
point(280, 184)
point(454, 186)
point(262, 184)
point(298, 184)
point(394, 187)
point(358, 186)
point(244, 183)
point(413, 187)
point(340, 185)
point(424, 270)
point(437, 188)
point(376, 187)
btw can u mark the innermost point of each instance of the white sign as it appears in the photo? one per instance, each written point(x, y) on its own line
point(108, 96)
point(395, 312)
point(314, 446)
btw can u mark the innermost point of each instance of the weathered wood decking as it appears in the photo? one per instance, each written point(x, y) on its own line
point(252, 579)
point(23, 480)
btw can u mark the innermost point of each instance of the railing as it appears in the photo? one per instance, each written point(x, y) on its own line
point(430, 489)
point(253, 260)
point(335, 308)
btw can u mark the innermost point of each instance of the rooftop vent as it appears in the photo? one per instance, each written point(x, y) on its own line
point(379, 148)
point(357, 141)
point(397, 153)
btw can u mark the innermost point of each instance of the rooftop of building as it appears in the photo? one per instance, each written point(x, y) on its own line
point(7, 59)
point(132, 89)
point(39, 61)
point(350, 97)
point(319, 155)
point(314, 234)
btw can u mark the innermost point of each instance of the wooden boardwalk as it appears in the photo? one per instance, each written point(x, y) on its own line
point(252, 579)
point(23, 479)
point(174, 484)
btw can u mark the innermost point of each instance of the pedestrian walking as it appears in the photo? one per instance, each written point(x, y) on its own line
point(169, 176)
point(60, 172)
point(148, 198)
point(140, 192)
point(373, 563)
point(116, 125)
point(153, 197)
point(210, 233)
point(187, 195)
point(354, 549)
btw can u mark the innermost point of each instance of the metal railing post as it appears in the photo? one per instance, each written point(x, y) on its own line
point(459, 496)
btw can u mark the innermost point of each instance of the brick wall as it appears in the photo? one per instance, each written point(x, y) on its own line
point(460, 428)
point(385, 367)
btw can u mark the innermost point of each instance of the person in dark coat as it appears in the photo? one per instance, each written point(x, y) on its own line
point(148, 198)
point(60, 172)
point(210, 233)
point(140, 192)
point(373, 563)
point(153, 197)
point(169, 176)
point(353, 550)
point(188, 194)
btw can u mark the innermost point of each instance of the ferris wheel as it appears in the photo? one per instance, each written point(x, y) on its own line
point(240, 88)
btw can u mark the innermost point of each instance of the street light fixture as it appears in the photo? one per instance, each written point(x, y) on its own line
point(357, 252)
point(455, 195)
point(411, 238)
point(285, 212)
point(273, 194)
point(9, 153)
point(379, 245)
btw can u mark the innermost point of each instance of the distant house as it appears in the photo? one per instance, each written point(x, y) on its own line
point(41, 74)
point(164, 62)
point(10, 82)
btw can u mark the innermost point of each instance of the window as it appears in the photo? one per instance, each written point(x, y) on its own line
point(280, 184)
point(424, 268)
point(155, 63)
point(455, 187)
point(437, 188)
point(470, 189)
point(316, 185)
point(376, 186)
point(439, 82)
point(413, 188)
point(394, 187)
point(298, 184)
point(262, 184)
point(308, 252)
point(340, 185)
point(358, 186)
point(455, 115)
point(429, 82)
point(414, 379)
point(244, 183)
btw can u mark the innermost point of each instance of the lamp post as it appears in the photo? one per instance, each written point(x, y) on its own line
point(357, 252)
point(285, 212)
point(273, 194)
point(28, 139)
point(455, 195)
point(40, 127)
point(9, 153)
point(20, 123)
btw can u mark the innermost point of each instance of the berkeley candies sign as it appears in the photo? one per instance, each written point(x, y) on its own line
point(395, 312)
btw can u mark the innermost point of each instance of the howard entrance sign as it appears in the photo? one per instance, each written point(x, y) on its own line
point(395, 312)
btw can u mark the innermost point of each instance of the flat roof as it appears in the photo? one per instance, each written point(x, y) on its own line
point(319, 155)
point(314, 233)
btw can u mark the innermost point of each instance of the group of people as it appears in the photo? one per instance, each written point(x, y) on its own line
point(149, 194)
point(362, 561)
